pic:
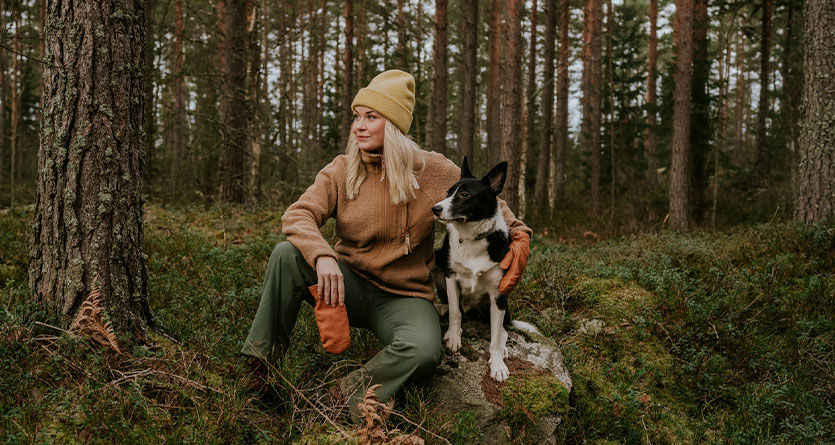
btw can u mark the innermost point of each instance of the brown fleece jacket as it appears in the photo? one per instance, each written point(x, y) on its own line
point(390, 245)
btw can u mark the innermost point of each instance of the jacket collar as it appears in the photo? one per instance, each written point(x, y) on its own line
point(371, 158)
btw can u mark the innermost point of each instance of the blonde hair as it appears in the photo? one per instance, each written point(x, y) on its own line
point(401, 154)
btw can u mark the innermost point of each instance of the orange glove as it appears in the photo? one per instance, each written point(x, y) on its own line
point(332, 322)
point(515, 261)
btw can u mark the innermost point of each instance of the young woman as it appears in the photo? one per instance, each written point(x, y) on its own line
point(381, 192)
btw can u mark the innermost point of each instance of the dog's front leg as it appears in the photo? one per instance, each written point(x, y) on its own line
point(452, 338)
point(498, 340)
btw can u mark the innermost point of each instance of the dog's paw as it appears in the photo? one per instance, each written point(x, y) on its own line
point(505, 352)
point(452, 338)
point(498, 370)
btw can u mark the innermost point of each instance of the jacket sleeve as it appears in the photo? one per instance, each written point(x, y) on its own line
point(301, 221)
point(453, 172)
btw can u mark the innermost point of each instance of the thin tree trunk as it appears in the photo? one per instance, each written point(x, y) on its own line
point(651, 141)
point(562, 103)
point(762, 164)
point(348, 73)
point(590, 131)
point(4, 87)
point(724, 73)
point(543, 172)
point(816, 172)
point(512, 106)
point(494, 83)
point(700, 125)
point(440, 77)
point(611, 76)
point(149, 121)
point(176, 119)
point(679, 201)
point(15, 105)
point(87, 223)
point(529, 102)
point(235, 106)
point(741, 104)
point(257, 67)
point(469, 68)
point(401, 33)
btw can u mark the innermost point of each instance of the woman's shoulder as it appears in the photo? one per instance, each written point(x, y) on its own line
point(438, 163)
point(336, 165)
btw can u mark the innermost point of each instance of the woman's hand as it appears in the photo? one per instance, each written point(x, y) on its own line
point(330, 282)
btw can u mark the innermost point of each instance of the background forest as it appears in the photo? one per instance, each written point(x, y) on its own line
point(581, 104)
point(160, 151)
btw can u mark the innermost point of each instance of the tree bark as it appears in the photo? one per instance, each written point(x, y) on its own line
point(348, 73)
point(546, 128)
point(562, 103)
point(440, 78)
point(14, 113)
point(592, 73)
point(494, 84)
point(469, 68)
point(816, 170)
point(611, 76)
point(651, 135)
point(234, 105)
point(512, 106)
point(679, 200)
point(700, 125)
point(149, 120)
point(87, 220)
point(761, 162)
point(176, 118)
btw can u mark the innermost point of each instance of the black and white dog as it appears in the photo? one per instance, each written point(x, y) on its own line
point(467, 272)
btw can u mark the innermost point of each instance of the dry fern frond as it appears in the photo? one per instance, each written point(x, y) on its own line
point(90, 321)
point(375, 413)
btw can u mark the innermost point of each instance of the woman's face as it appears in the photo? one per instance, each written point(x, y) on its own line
point(369, 127)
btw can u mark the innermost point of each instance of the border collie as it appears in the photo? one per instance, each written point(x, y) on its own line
point(467, 271)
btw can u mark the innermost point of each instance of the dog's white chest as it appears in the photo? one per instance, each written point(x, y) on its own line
point(476, 274)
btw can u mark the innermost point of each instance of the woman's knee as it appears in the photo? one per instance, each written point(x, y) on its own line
point(424, 355)
point(284, 253)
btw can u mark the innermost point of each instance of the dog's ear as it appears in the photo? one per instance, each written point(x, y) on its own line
point(495, 178)
point(465, 169)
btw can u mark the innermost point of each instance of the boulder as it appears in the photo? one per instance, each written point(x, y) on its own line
point(529, 403)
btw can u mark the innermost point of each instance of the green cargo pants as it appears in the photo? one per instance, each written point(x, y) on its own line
point(408, 326)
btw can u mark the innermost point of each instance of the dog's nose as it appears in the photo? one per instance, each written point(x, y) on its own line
point(437, 209)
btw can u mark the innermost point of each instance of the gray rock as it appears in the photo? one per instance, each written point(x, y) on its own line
point(538, 378)
point(591, 327)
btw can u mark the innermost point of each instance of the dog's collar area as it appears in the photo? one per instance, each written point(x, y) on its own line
point(478, 237)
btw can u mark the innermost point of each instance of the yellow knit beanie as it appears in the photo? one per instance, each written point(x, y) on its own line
point(392, 94)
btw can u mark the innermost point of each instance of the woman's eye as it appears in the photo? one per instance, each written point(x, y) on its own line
point(371, 117)
point(356, 117)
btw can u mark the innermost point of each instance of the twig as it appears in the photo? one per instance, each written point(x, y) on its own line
point(53, 327)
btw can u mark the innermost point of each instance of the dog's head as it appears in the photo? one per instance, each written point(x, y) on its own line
point(472, 199)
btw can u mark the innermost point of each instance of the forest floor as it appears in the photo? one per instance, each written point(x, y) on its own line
point(705, 337)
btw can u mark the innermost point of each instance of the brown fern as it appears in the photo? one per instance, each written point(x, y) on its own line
point(90, 321)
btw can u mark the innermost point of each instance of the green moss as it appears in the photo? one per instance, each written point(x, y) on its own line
point(534, 395)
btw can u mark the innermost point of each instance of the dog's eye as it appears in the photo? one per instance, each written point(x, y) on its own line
point(464, 195)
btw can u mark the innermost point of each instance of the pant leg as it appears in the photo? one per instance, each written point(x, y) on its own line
point(285, 287)
point(410, 329)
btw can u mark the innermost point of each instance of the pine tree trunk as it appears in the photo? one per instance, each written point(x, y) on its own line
point(761, 162)
point(741, 104)
point(512, 106)
point(547, 126)
point(611, 76)
point(700, 124)
point(4, 81)
point(494, 84)
point(257, 71)
point(235, 106)
point(529, 118)
point(679, 201)
point(469, 68)
point(816, 172)
point(651, 141)
point(149, 120)
point(562, 103)
point(592, 71)
point(14, 113)
point(176, 119)
point(88, 206)
point(347, 73)
point(400, 52)
point(440, 77)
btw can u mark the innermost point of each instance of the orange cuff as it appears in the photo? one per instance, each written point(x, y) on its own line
point(332, 323)
point(515, 261)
